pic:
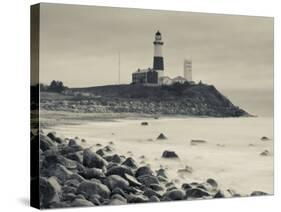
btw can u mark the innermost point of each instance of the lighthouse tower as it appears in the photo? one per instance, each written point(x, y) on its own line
point(158, 61)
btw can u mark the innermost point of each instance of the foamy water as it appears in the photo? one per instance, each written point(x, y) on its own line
point(231, 154)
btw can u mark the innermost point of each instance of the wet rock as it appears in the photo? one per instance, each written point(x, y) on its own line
point(117, 202)
point(52, 135)
point(132, 180)
point(264, 138)
point(130, 162)
point(118, 191)
point(161, 172)
point(93, 160)
point(76, 156)
point(52, 157)
point(90, 173)
point(100, 152)
point(49, 191)
point(148, 179)
point(81, 203)
point(89, 188)
point(213, 183)
point(113, 158)
point(219, 194)
point(96, 199)
point(119, 170)
point(186, 170)
point(258, 193)
point(72, 142)
point(162, 179)
point(154, 199)
point(197, 141)
point(144, 123)
point(265, 153)
point(186, 186)
point(108, 149)
point(46, 143)
point(156, 187)
point(150, 192)
point(58, 171)
point(175, 194)
point(169, 154)
point(116, 181)
point(196, 193)
point(136, 198)
point(161, 137)
point(144, 170)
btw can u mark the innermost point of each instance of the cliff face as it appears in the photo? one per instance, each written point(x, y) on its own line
point(191, 100)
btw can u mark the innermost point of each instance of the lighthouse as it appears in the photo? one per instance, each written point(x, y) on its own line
point(158, 61)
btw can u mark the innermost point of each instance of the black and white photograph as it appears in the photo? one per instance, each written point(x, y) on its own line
point(140, 105)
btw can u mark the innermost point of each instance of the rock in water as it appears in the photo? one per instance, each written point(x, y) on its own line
point(264, 138)
point(89, 188)
point(175, 194)
point(258, 193)
point(197, 141)
point(169, 154)
point(265, 153)
point(161, 137)
point(144, 170)
point(93, 160)
point(148, 179)
point(130, 162)
point(119, 170)
point(116, 181)
point(196, 193)
point(144, 123)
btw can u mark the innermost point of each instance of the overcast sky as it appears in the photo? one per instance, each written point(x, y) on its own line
point(79, 45)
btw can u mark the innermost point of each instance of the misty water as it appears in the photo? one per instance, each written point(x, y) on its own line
point(231, 154)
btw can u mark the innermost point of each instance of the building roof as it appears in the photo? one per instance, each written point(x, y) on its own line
point(157, 33)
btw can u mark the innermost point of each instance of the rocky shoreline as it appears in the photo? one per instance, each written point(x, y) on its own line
point(197, 100)
point(74, 176)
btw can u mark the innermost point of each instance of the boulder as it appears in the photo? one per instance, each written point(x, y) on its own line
point(132, 180)
point(117, 202)
point(100, 152)
point(46, 143)
point(130, 162)
point(93, 160)
point(156, 187)
point(161, 137)
point(169, 154)
point(148, 180)
point(196, 193)
point(89, 188)
point(72, 142)
point(52, 157)
point(161, 172)
point(136, 198)
point(213, 183)
point(265, 153)
point(90, 173)
point(116, 181)
point(144, 170)
point(49, 191)
point(144, 123)
point(58, 171)
point(150, 192)
point(76, 156)
point(154, 199)
point(113, 158)
point(264, 138)
point(258, 193)
point(175, 194)
point(186, 186)
point(120, 170)
point(108, 149)
point(219, 194)
point(52, 135)
point(78, 202)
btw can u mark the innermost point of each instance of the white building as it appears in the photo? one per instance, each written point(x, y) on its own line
point(187, 69)
point(165, 81)
point(179, 79)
